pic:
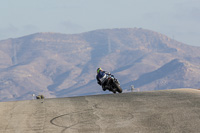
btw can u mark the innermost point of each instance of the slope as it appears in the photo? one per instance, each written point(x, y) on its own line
point(145, 112)
point(177, 72)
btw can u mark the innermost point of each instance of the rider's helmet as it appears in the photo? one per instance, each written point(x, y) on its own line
point(99, 69)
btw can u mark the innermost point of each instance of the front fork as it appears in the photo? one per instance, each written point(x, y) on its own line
point(110, 84)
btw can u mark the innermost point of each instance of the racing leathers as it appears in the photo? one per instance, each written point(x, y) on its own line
point(101, 79)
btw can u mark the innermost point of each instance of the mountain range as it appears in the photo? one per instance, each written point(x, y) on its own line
point(64, 65)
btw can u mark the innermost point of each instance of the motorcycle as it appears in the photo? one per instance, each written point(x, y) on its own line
point(112, 84)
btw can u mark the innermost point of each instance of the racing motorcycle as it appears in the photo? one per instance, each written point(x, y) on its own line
point(112, 84)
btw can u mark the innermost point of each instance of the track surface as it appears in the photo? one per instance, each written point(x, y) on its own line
point(169, 111)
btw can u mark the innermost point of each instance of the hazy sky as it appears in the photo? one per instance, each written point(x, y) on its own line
point(178, 19)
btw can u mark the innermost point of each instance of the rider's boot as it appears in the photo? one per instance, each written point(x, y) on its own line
point(103, 88)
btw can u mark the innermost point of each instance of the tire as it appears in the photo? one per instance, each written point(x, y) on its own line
point(118, 88)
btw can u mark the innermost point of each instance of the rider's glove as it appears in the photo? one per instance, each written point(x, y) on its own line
point(108, 73)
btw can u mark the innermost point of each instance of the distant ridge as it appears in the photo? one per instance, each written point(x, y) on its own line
point(60, 65)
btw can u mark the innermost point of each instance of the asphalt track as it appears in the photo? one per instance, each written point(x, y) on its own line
point(169, 111)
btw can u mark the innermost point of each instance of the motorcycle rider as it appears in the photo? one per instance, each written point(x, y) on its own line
point(101, 78)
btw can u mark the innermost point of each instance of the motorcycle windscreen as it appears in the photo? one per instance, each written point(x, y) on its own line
point(103, 78)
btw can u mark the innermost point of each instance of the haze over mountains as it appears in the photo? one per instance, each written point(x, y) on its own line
point(60, 65)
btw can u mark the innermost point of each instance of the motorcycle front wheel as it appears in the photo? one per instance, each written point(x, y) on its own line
point(118, 88)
